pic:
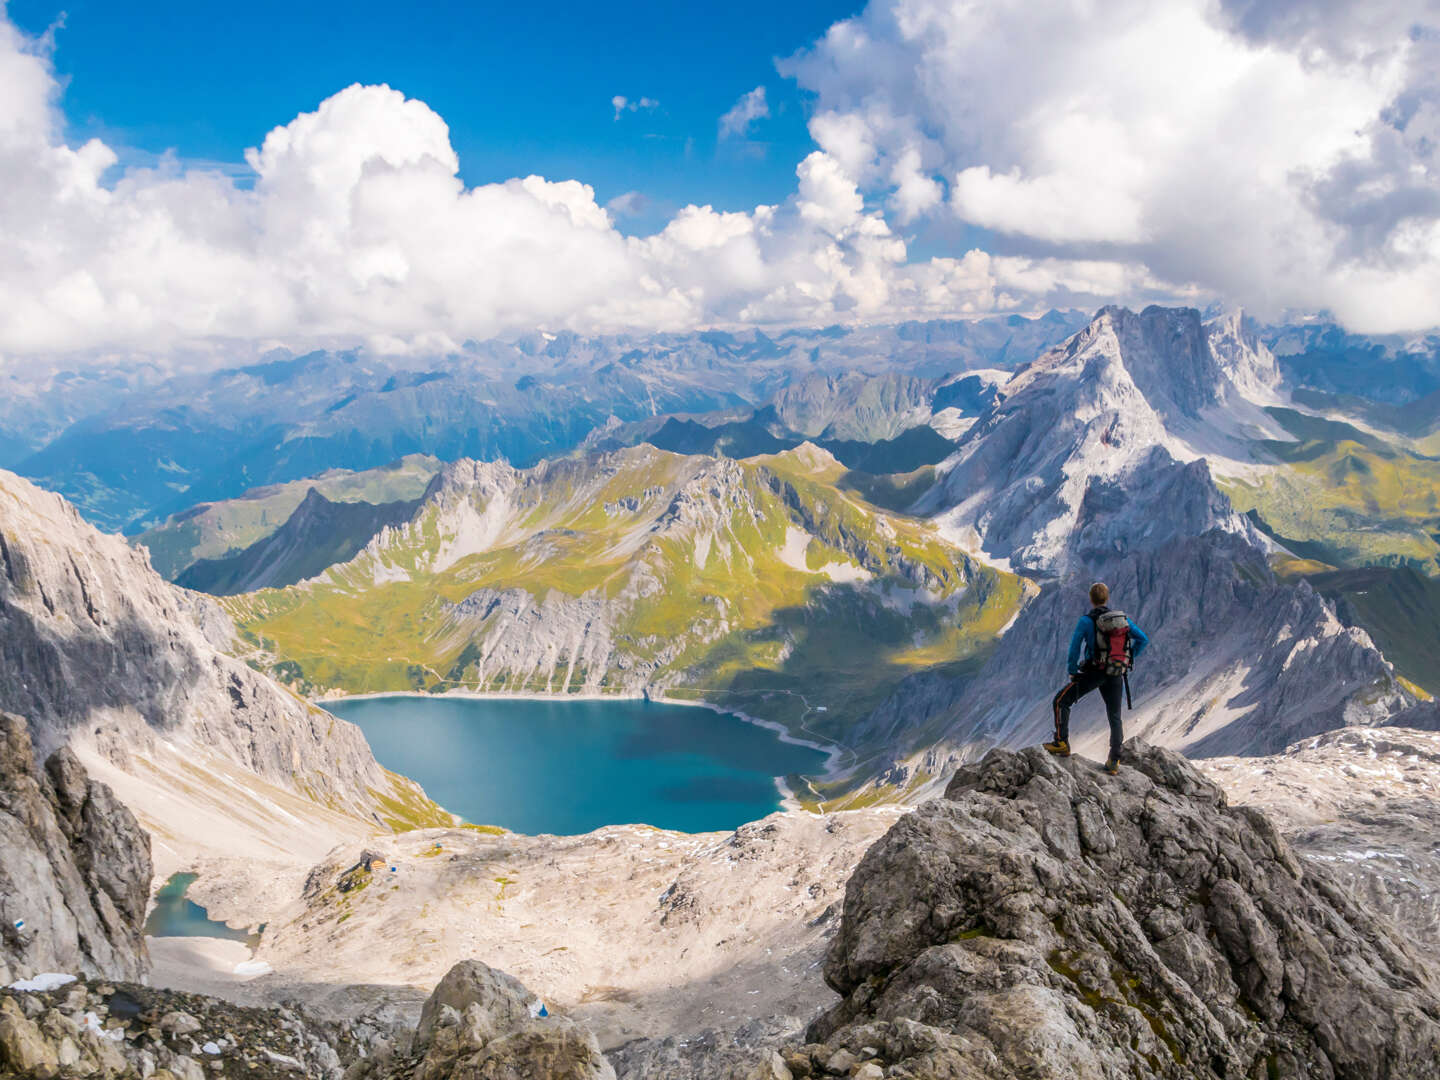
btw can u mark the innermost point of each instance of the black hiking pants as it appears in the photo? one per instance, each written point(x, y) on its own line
point(1112, 689)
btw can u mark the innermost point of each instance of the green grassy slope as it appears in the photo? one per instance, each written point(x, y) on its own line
point(1346, 497)
point(760, 584)
point(221, 529)
point(1397, 606)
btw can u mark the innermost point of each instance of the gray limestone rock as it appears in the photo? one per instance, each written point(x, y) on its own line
point(74, 868)
point(481, 1024)
point(1133, 926)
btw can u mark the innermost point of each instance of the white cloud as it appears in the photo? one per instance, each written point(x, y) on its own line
point(358, 230)
point(1273, 160)
point(628, 204)
point(1275, 153)
point(622, 104)
point(743, 113)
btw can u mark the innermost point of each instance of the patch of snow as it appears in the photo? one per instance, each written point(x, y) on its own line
point(91, 1023)
point(792, 554)
point(44, 982)
point(253, 967)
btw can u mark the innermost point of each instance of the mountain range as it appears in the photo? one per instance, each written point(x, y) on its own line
point(739, 557)
point(879, 540)
point(130, 453)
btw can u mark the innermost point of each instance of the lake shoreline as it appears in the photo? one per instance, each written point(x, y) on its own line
point(788, 801)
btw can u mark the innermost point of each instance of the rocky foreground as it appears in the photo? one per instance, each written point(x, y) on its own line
point(1039, 919)
point(477, 1023)
point(1045, 919)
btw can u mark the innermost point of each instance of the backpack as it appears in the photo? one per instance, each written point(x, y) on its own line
point(1113, 652)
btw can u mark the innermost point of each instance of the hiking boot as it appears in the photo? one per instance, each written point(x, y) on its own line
point(1112, 766)
point(1060, 747)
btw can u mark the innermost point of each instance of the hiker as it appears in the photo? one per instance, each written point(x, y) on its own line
point(1102, 650)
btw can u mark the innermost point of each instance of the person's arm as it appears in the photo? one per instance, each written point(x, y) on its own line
point(1140, 639)
point(1077, 643)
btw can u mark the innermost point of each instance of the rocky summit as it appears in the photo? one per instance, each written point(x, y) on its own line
point(1043, 919)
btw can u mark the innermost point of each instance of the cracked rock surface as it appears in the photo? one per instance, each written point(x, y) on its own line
point(74, 868)
point(1131, 926)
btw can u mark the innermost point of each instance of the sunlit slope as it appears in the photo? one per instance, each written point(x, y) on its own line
point(1346, 497)
point(756, 582)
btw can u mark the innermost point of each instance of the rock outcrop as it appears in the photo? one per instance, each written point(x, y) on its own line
point(74, 868)
point(484, 1023)
point(1045, 919)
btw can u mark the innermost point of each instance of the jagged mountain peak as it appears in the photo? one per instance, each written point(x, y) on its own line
point(1245, 359)
point(1089, 434)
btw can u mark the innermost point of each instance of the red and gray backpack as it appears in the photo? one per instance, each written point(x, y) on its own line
point(1113, 652)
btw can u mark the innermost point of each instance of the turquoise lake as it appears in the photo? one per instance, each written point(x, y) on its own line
point(176, 916)
point(567, 767)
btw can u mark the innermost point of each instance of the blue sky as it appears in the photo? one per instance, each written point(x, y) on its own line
point(525, 88)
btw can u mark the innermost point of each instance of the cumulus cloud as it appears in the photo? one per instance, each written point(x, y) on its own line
point(1278, 153)
point(1270, 160)
point(357, 230)
point(743, 113)
point(622, 104)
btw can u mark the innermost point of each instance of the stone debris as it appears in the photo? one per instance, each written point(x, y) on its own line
point(476, 1023)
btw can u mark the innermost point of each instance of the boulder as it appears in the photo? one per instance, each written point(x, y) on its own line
point(24, 1049)
point(479, 1024)
point(1129, 926)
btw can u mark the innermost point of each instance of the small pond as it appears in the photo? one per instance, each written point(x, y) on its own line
point(176, 916)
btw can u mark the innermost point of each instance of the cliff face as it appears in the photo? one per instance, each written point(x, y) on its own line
point(1134, 926)
point(96, 647)
point(74, 868)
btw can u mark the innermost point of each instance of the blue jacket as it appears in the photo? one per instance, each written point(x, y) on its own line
point(1082, 643)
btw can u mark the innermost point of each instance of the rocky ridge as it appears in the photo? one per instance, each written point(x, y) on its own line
point(1135, 926)
point(110, 656)
point(75, 876)
point(318, 534)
